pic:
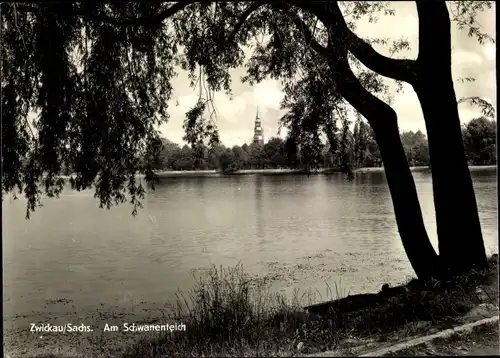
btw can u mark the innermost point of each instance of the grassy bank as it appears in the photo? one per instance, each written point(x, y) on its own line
point(229, 314)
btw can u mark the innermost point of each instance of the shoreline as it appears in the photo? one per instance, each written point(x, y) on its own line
point(327, 171)
point(323, 171)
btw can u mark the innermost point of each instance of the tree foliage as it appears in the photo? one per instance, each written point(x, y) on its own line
point(95, 91)
point(416, 148)
point(480, 141)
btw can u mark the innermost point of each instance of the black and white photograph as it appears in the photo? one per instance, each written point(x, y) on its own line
point(265, 178)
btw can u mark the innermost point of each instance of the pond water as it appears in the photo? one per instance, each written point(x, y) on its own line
point(301, 232)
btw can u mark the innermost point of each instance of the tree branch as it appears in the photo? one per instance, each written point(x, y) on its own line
point(397, 69)
point(255, 5)
point(308, 35)
point(333, 18)
point(139, 21)
point(148, 20)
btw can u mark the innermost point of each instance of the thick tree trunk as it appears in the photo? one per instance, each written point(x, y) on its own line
point(461, 245)
point(383, 120)
point(409, 219)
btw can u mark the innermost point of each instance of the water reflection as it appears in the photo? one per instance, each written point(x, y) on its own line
point(259, 206)
point(199, 184)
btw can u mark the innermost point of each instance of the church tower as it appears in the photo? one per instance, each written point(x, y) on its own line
point(258, 136)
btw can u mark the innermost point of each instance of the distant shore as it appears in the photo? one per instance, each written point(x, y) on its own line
point(216, 173)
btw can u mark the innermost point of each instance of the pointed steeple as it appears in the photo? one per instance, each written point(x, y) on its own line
point(258, 136)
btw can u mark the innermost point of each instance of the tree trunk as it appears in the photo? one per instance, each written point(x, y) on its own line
point(461, 245)
point(383, 120)
point(418, 247)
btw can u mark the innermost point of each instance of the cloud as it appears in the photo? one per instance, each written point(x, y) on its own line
point(466, 58)
point(267, 94)
point(230, 110)
point(489, 51)
point(186, 102)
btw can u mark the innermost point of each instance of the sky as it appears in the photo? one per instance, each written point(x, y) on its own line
point(235, 118)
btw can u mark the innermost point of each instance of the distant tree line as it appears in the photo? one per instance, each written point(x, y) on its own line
point(356, 148)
